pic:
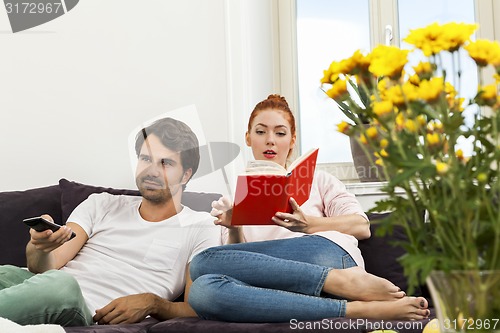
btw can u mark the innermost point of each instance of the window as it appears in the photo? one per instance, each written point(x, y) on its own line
point(328, 30)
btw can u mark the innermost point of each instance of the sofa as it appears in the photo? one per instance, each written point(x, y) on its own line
point(60, 199)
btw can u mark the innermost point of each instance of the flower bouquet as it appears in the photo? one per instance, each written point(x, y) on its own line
point(416, 115)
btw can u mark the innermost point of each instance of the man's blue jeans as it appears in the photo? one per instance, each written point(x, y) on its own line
point(53, 297)
point(270, 281)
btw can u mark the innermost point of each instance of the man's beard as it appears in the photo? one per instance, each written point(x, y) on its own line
point(157, 195)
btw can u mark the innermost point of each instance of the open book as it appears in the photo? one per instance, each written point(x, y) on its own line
point(266, 188)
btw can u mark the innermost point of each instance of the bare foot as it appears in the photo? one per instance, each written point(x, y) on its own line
point(406, 308)
point(356, 284)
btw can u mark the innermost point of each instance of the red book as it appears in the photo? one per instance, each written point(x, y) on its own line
point(266, 188)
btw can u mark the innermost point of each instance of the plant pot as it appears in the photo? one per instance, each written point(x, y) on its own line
point(367, 172)
point(466, 301)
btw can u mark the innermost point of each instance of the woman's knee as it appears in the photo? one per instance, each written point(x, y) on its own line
point(201, 265)
point(204, 295)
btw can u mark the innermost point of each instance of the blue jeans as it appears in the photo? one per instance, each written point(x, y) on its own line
point(270, 281)
point(53, 297)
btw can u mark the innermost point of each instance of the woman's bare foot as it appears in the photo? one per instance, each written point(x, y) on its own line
point(357, 285)
point(406, 308)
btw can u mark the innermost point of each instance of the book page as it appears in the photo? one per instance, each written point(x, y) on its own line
point(263, 167)
point(300, 159)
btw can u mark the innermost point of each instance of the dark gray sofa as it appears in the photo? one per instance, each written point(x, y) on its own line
point(59, 200)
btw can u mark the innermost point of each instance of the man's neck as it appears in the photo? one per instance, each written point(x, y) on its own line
point(155, 212)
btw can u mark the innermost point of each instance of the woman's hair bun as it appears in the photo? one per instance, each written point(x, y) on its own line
point(278, 97)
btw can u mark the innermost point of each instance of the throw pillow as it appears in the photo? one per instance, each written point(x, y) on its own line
point(73, 193)
point(18, 205)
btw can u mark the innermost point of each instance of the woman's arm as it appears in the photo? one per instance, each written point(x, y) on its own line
point(351, 224)
point(354, 224)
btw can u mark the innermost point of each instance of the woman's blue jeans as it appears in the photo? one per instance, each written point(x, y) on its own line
point(270, 281)
point(53, 297)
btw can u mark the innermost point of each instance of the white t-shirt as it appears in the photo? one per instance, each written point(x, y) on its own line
point(328, 197)
point(126, 254)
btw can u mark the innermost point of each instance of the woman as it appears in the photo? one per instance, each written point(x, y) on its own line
point(306, 267)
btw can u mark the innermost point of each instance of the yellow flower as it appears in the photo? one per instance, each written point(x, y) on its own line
point(442, 168)
point(422, 121)
point(327, 77)
point(410, 91)
point(487, 95)
point(344, 127)
point(423, 70)
point(383, 108)
point(450, 90)
point(489, 91)
point(414, 79)
point(394, 95)
point(359, 62)
point(432, 139)
point(347, 66)
point(430, 90)
point(436, 38)
point(384, 143)
point(388, 61)
point(338, 89)
point(484, 52)
point(400, 121)
point(363, 140)
point(411, 126)
point(331, 75)
point(383, 153)
point(372, 132)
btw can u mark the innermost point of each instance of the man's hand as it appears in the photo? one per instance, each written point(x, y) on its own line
point(126, 310)
point(47, 240)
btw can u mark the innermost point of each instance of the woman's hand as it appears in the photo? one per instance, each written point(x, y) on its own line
point(352, 224)
point(222, 209)
point(296, 221)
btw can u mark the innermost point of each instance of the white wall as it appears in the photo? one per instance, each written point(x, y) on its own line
point(73, 89)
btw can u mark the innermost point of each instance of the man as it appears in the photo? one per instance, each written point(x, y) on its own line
point(130, 257)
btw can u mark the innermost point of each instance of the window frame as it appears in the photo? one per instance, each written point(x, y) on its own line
point(383, 13)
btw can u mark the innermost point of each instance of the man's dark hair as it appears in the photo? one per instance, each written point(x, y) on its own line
point(176, 136)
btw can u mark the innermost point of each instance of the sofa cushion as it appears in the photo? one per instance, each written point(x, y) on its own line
point(189, 325)
point(199, 201)
point(381, 254)
point(73, 193)
point(142, 327)
point(18, 205)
